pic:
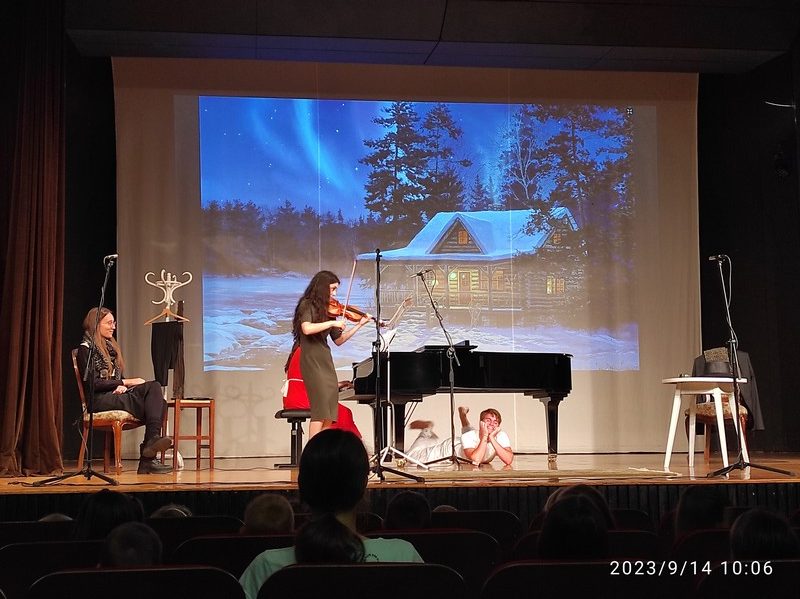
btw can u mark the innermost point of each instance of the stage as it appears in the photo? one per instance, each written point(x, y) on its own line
point(635, 481)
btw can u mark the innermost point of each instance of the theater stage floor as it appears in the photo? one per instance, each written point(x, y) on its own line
point(630, 481)
point(245, 474)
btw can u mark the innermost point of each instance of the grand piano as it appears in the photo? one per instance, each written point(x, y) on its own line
point(414, 374)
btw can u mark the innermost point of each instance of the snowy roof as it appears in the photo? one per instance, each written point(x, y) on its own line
point(498, 234)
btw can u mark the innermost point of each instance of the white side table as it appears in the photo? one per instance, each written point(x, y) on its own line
point(702, 385)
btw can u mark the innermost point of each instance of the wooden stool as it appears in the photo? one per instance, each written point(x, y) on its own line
point(198, 404)
point(296, 418)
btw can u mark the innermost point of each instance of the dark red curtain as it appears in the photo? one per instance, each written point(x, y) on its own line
point(32, 230)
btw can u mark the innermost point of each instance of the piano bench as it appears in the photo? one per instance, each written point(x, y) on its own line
point(296, 418)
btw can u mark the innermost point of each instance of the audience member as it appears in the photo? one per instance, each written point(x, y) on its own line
point(55, 517)
point(445, 507)
point(131, 545)
point(759, 534)
point(172, 510)
point(268, 514)
point(590, 493)
point(332, 480)
point(700, 507)
point(574, 528)
point(407, 510)
point(103, 511)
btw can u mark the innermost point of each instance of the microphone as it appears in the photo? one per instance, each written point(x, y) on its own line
point(718, 258)
point(110, 258)
point(421, 273)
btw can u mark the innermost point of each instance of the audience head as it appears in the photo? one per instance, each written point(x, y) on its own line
point(759, 534)
point(445, 507)
point(333, 471)
point(172, 510)
point(269, 513)
point(103, 511)
point(333, 477)
point(55, 517)
point(407, 510)
point(130, 545)
point(590, 493)
point(699, 507)
point(574, 528)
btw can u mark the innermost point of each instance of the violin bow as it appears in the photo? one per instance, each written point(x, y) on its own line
point(349, 289)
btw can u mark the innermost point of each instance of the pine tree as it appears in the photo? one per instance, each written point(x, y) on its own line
point(444, 191)
point(479, 198)
point(397, 163)
point(588, 139)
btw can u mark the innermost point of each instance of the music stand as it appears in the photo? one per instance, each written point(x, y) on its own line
point(733, 358)
point(390, 450)
point(87, 471)
point(380, 415)
point(453, 458)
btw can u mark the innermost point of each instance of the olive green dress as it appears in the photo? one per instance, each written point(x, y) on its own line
point(319, 373)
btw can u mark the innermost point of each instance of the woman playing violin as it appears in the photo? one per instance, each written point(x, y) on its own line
point(311, 326)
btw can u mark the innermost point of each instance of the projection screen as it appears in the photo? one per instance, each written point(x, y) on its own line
point(554, 211)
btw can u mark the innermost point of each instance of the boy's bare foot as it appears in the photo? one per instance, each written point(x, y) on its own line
point(462, 414)
point(421, 424)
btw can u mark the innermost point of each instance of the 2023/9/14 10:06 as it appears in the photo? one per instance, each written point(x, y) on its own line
point(687, 568)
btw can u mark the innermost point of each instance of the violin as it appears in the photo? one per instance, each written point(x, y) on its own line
point(350, 312)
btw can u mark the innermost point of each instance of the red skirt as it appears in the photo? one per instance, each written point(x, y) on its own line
point(296, 397)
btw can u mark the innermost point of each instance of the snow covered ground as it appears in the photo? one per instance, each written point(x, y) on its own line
point(247, 326)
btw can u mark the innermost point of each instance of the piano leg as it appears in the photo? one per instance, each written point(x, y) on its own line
point(399, 413)
point(551, 414)
point(377, 416)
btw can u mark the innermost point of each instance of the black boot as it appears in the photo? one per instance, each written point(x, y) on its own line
point(152, 446)
point(152, 466)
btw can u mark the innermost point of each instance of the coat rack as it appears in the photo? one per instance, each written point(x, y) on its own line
point(168, 284)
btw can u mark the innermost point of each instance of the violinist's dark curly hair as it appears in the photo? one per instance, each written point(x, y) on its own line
point(318, 294)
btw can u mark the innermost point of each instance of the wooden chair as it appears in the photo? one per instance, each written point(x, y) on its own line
point(202, 441)
point(232, 553)
point(716, 361)
point(113, 422)
point(364, 581)
point(152, 583)
point(705, 414)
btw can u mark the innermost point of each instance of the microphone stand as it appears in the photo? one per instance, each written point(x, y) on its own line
point(733, 359)
point(453, 458)
point(380, 415)
point(87, 471)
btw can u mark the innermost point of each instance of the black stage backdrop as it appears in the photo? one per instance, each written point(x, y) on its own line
point(748, 189)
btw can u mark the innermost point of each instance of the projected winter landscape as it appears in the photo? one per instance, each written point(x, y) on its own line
point(521, 214)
